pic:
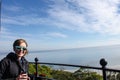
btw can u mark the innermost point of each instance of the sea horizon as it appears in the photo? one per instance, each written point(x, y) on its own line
point(89, 56)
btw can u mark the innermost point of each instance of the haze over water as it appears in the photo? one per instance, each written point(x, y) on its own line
point(79, 56)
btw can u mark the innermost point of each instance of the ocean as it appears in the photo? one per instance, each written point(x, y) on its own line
point(78, 56)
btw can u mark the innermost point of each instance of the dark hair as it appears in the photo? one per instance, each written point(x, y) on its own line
point(18, 42)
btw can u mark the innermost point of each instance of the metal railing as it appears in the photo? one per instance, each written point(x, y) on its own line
point(102, 62)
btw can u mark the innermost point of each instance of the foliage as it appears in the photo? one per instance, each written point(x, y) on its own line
point(42, 70)
point(62, 75)
point(31, 69)
point(84, 74)
point(80, 74)
point(113, 75)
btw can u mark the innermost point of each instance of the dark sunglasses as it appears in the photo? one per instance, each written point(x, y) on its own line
point(20, 48)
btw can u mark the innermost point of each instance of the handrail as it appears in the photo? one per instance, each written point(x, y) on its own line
point(103, 64)
point(90, 67)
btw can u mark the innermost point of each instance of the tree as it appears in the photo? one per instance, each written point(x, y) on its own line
point(85, 74)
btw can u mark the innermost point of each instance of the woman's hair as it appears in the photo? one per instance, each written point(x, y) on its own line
point(18, 42)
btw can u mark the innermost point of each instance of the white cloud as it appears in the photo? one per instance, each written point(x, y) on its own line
point(4, 30)
point(12, 8)
point(56, 34)
point(23, 20)
point(97, 16)
point(112, 40)
point(49, 35)
point(100, 16)
point(7, 34)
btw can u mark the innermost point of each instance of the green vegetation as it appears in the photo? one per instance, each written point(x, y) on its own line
point(61, 74)
point(81, 74)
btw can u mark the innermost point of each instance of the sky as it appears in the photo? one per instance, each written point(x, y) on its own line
point(60, 24)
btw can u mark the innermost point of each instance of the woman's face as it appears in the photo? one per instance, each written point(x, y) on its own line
point(21, 49)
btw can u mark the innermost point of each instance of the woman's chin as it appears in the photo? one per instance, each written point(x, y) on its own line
point(20, 55)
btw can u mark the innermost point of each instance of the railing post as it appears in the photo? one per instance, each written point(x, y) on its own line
point(36, 67)
point(103, 63)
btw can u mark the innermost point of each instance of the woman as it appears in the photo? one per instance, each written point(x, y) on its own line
point(14, 66)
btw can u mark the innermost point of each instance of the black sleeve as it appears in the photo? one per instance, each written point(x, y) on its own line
point(3, 66)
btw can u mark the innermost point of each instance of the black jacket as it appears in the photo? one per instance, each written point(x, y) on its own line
point(11, 67)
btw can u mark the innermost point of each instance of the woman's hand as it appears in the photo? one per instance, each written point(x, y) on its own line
point(23, 76)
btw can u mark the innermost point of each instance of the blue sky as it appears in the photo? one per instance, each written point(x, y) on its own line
point(60, 24)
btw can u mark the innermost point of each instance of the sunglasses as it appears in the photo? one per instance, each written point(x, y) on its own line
point(20, 48)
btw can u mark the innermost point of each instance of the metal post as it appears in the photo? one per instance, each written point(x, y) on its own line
point(36, 67)
point(103, 63)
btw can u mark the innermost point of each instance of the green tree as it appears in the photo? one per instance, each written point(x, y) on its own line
point(31, 69)
point(85, 74)
point(62, 75)
point(42, 70)
point(118, 76)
